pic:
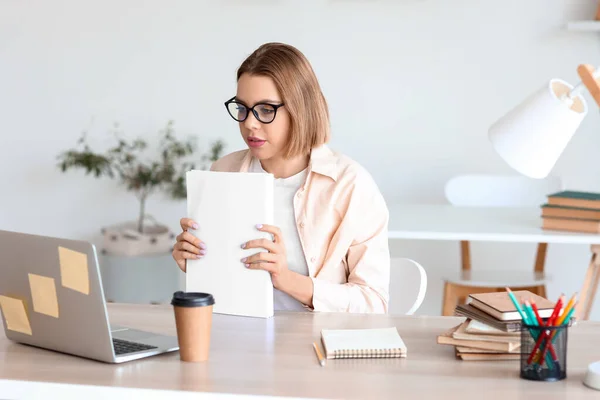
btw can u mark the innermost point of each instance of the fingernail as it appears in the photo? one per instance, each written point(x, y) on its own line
point(202, 252)
point(202, 246)
point(243, 245)
point(247, 265)
point(259, 226)
point(244, 259)
point(195, 226)
point(198, 255)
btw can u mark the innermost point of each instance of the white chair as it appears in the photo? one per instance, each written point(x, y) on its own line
point(479, 190)
point(408, 285)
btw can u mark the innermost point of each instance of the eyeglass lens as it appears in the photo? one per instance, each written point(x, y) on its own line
point(262, 112)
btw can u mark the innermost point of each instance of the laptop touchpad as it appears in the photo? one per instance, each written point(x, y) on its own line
point(133, 335)
point(118, 328)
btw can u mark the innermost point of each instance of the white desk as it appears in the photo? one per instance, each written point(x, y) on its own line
point(274, 358)
point(446, 222)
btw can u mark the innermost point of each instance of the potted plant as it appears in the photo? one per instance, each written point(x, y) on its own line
point(143, 176)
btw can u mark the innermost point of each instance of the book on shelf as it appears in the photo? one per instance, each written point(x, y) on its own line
point(571, 225)
point(554, 211)
point(573, 198)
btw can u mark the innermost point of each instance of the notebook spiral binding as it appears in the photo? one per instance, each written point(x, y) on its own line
point(382, 353)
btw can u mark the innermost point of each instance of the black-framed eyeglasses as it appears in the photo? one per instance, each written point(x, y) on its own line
point(264, 112)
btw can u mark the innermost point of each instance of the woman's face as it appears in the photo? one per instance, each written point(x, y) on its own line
point(265, 140)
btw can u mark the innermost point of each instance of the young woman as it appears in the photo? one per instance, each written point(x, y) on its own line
point(330, 248)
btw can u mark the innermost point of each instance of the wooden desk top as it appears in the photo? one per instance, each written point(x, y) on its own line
point(275, 357)
point(447, 222)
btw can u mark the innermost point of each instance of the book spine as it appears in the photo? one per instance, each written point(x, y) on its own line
point(270, 202)
point(270, 213)
point(571, 202)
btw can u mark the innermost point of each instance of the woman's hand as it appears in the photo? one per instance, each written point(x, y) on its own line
point(273, 260)
point(188, 246)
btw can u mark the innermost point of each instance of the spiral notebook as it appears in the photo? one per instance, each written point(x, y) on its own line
point(363, 343)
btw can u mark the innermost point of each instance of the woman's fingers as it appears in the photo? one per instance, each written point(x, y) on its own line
point(261, 243)
point(259, 257)
point(273, 230)
point(180, 256)
point(189, 256)
point(187, 223)
point(188, 246)
point(185, 246)
point(266, 266)
point(188, 237)
point(180, 262)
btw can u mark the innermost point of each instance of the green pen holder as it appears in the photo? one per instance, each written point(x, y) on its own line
point(544, 352)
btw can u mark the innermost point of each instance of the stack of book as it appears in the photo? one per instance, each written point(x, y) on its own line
point(572, 211)
point(492, 329)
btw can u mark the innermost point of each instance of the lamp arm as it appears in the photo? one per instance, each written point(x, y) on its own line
point(580, 86)
point(589, 79)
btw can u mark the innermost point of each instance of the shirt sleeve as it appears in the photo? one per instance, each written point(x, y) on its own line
point(368, 257)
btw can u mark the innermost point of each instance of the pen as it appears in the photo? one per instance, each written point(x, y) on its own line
point(545, 334)
point(319, 355)
point(553, 355)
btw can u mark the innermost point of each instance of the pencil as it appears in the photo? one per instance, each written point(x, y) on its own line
point(518, 307)
point(528, 308)
point(319, 355)
point(567, 309)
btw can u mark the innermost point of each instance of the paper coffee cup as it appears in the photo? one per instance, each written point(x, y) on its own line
point(193, 319)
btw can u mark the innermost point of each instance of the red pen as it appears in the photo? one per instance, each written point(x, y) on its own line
point(541, 323)
point(537, 314)
point(544, 333)
point(551, 322)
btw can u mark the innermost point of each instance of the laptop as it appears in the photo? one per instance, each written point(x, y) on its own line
point(52, 291)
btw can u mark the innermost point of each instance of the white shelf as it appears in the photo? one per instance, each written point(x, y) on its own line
point(584, 26)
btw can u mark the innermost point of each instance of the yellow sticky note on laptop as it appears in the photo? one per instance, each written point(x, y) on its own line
point(74, 270)
point(15, 315)
point(43, 294)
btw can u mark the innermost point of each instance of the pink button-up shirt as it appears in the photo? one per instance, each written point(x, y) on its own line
point(342, 221)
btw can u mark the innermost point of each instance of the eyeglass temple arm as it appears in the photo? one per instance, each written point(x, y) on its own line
point(589, 79)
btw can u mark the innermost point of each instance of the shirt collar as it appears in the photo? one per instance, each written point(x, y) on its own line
point(323, 161)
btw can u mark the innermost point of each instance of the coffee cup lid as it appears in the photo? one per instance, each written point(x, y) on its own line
point(192, 299)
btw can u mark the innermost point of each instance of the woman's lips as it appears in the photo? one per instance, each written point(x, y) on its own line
point(255, 142)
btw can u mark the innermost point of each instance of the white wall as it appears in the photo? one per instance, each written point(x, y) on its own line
point(412, 86)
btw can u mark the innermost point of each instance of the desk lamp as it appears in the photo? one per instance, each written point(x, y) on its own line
point(532, 136)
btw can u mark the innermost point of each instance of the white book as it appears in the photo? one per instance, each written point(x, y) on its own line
point(227, 207)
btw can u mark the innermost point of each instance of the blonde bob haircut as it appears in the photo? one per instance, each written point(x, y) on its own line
point(300, 91)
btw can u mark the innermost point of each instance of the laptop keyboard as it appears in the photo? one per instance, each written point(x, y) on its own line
point(123, 346)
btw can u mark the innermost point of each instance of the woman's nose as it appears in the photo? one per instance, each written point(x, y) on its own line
point(251, 122)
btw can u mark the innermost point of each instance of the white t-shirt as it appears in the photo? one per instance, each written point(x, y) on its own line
point(285, 189)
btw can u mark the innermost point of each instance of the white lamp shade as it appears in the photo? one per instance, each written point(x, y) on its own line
point(532, 136)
